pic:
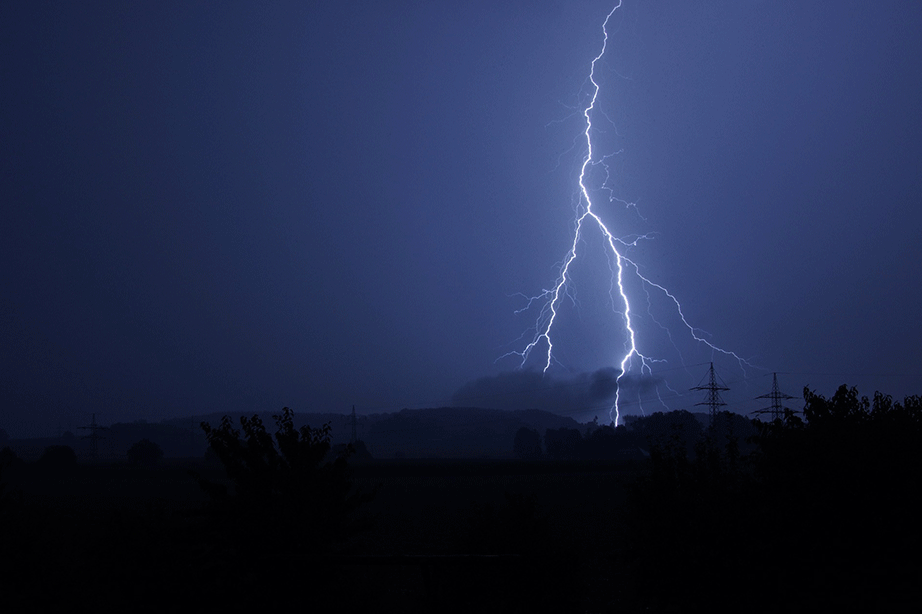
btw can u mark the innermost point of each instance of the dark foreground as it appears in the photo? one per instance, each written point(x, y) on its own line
point(822, 516)
point(503, 536)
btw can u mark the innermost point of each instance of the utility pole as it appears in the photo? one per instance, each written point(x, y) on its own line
point(776, 409)
point(94, 437)
point(712, 397)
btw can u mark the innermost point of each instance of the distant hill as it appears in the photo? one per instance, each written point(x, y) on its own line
point(442, 432)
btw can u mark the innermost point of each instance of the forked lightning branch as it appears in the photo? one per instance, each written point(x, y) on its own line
point(548, 302)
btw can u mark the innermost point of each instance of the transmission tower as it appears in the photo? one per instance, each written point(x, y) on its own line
point(94, 437)
point(353, 421)
point(776, 409)
point(712, 398)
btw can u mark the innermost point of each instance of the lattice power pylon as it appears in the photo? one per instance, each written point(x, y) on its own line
point(776, 409)
point(712, 398)
point(94, 437)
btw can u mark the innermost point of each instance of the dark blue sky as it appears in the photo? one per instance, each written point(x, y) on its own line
point(239, 207)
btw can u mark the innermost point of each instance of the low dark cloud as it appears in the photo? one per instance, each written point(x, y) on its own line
point(643, 385)
point(603, 383)
point(572, 394)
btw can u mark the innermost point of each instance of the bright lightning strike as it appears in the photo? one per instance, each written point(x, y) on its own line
point(620, 265)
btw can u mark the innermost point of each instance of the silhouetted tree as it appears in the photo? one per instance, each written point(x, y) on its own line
point(527, 444)
point(144, 453)
point(844, 408)
point(357, 454)
point(288, 483)
point(854, 468)
point(609, 443)
point(673, 434)
point(562, 443)
point(8, 457)
point(600, 443)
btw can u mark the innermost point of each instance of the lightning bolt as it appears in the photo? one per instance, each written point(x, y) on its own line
point(550, 299)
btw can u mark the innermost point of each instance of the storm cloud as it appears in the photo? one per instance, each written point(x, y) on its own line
point(570, 394)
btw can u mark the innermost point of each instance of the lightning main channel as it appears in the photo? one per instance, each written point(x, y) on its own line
point(586, 216)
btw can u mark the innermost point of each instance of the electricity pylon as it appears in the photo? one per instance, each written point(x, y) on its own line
point(712, 398)
point(776, 409)
point(94, 437)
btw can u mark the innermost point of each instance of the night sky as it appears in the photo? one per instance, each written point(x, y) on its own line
point(240, 206)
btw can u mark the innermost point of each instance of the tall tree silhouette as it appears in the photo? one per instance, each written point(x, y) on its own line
point(288, 483)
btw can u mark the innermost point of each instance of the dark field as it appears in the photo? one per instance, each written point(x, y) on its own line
point(813, 514)
point(484, 536)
